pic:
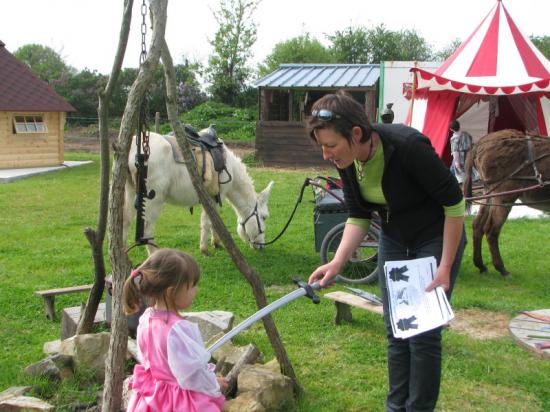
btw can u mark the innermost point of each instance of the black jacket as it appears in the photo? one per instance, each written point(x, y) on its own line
point(415, 183)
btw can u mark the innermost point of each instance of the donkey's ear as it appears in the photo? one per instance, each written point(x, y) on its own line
point(264, 195)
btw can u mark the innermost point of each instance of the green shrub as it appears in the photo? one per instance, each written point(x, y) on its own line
point(231, 123)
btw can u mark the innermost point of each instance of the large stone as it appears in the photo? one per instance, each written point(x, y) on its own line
point(45, 367)
point(26, 404)
point(126, 392)
point(230, 355)
point(211, 323)
point(247, 402)
point(71, 317)
point(273, 389)
point(90, 352)
point(14, 391)
point(52, 347)
point(132, 350)
point(54, 367)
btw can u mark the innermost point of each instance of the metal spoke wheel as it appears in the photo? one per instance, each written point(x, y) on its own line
point(362, 266)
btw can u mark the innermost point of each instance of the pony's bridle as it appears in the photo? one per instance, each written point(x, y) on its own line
point(258, 222)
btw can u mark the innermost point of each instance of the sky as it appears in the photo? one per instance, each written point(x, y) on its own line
point(85, 32)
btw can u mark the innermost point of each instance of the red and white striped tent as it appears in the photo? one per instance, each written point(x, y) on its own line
point(496, 79)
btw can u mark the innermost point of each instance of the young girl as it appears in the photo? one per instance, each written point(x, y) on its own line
point(174, 373)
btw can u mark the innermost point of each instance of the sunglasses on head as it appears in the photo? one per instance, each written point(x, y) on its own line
point(326, 115)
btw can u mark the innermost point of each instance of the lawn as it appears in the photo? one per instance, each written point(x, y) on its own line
point(341, 368)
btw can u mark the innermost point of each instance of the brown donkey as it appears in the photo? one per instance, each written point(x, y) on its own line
point(512, 165)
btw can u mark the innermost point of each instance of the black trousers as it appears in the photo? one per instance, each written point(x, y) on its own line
point(414, 364)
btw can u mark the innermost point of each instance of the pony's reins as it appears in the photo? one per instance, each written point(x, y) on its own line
point(307, 182)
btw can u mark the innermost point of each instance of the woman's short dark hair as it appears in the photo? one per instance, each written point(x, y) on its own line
point(348, 113)
point(455, 125)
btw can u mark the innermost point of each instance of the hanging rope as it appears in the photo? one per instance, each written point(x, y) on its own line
point(142, 149)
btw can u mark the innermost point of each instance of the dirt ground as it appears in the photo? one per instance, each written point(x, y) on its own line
point(480, 324)
point(86, 139)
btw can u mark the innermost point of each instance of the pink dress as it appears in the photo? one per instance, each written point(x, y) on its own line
point(174, 373)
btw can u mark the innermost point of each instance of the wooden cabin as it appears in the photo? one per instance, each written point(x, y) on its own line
point(285, 100)
point(32, 117)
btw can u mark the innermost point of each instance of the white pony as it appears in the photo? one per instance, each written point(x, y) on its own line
point(171, 183)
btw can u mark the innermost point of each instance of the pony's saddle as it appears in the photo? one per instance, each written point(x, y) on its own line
point(209, 154)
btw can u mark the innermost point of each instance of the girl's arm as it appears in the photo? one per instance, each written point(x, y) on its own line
point(188, 360)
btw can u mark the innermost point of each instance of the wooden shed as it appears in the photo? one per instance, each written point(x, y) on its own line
point(285, 100)
point(32, 117)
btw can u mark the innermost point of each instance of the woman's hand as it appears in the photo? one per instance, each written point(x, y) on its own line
point(325, 274)
point(442, 278)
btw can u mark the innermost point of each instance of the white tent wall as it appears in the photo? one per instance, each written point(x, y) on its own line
point(419, 113)
point(545, 104)
point(475, 120)
point(395, 75)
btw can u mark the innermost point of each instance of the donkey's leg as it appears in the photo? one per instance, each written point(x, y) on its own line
point(477, 235)
point(497, 219)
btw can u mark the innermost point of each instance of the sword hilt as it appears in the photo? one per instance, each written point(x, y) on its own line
point(308, 289)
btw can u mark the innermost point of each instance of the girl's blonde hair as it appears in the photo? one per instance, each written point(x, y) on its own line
point(163, 269)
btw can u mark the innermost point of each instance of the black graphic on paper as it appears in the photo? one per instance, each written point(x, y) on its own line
point(397, 274)
point(407, 323)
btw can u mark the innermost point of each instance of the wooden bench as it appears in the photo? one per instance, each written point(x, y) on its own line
point(344, 301)
point(50, 294)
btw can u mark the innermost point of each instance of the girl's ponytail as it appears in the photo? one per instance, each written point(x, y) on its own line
point(131, 292)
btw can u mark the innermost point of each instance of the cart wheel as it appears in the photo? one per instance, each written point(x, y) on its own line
point(362, 267)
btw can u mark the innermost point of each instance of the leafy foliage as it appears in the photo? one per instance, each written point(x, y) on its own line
point(232, 123)
point(227, 69)
point(301, 49)
point(543, 44)
point(350, 45)
point(46, 63)
point(385, 44)
point(444, 53)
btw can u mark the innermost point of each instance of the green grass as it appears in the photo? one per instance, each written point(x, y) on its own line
point(340, 368)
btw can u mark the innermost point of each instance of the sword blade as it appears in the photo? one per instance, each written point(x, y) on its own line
point(366, 295)
point(266, 310)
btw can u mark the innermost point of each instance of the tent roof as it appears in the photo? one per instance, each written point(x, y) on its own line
point(495, 59)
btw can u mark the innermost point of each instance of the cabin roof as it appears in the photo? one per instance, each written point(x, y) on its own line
point(321, 76)
point(22, 90)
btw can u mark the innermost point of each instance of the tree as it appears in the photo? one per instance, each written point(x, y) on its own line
point(543, 44)
point(350, 45)
point(46, 63)
point(301, 49)
point(82, 91)
point(444, 53)
point(227, 69)
point(385, 44)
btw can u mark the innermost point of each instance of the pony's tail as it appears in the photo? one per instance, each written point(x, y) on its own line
point(468, 170)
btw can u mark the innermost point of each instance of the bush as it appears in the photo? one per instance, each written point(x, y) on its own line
point(231, 123)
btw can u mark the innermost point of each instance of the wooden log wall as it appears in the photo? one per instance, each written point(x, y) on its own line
point(31, 149)
point(286, 144)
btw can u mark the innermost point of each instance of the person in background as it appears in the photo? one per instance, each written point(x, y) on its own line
point(173, 373)
point(461, 143)
point(394, 170)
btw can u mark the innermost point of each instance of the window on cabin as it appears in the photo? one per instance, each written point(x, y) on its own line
point(29, 124)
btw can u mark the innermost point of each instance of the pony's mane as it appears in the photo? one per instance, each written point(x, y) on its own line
point(240, 167)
